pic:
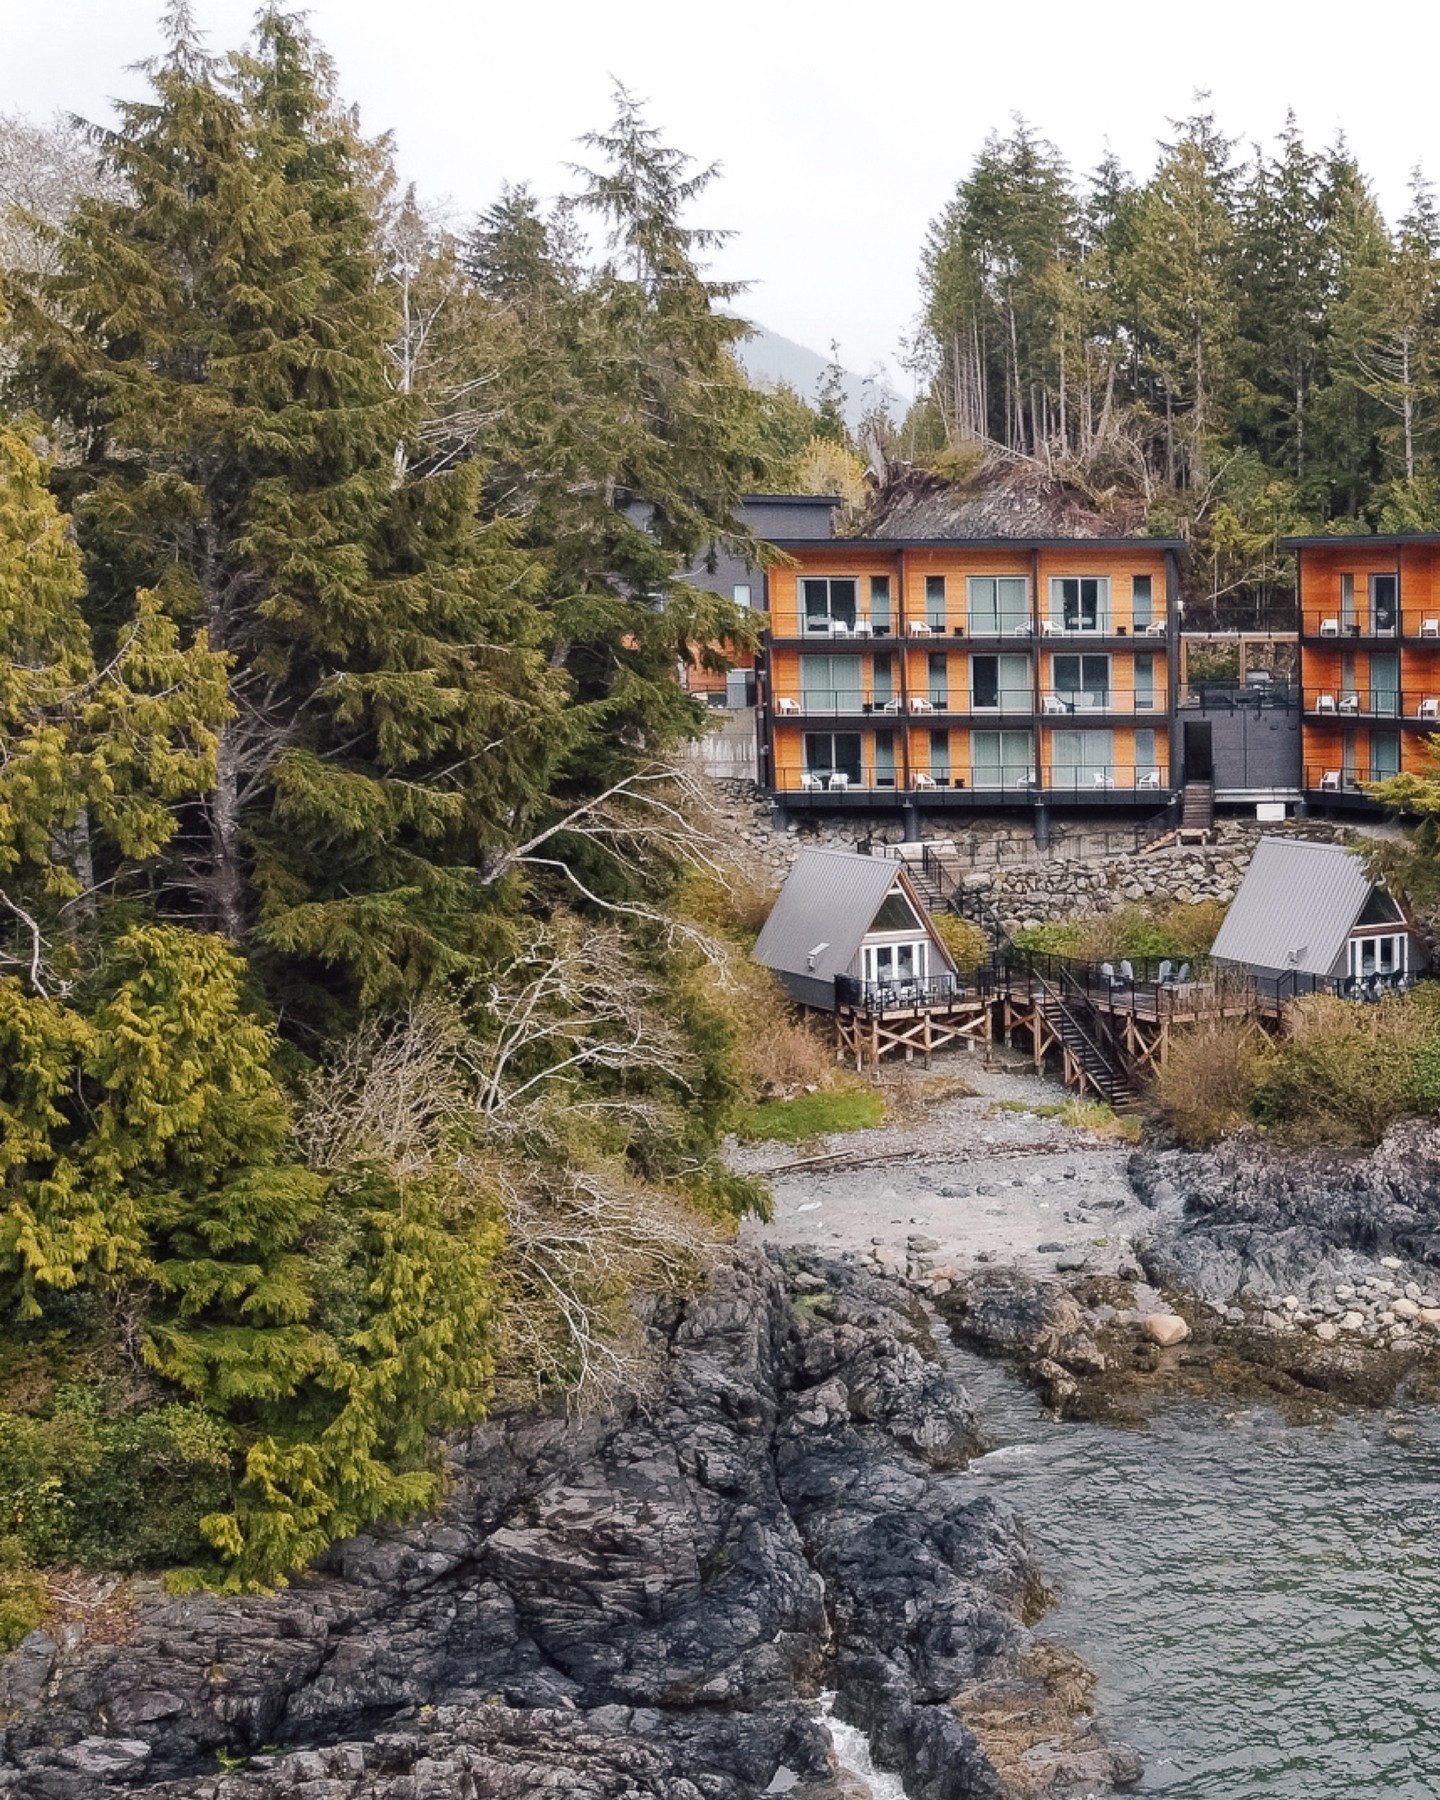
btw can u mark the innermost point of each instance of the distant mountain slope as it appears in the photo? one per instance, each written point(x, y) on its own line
point(769, 358)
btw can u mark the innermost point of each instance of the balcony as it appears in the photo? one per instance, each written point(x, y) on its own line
point(1346, 785)
point(1355, 706)
point(1116, 784)
point(1056, 707)
point(1416, 624)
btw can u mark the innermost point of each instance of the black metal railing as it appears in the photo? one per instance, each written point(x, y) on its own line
point(1417, 706)
point(930, 991)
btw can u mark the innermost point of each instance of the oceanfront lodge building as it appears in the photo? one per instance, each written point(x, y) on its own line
point(944, 676)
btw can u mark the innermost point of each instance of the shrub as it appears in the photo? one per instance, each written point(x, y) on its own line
point(1184, 929)
point(23, 1600)
point(1344, 1073)
point(1208, 1083)
point(963, 938)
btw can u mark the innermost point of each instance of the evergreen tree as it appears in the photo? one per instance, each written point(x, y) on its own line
point(220, 334)
point(830, 401)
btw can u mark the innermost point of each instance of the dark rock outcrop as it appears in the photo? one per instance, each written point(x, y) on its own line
point(1247, 1219)
point(643, 1606)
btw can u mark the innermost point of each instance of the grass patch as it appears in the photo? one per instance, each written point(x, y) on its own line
point(1100, 1120)
point(810, 1116)
point(1034, 1109)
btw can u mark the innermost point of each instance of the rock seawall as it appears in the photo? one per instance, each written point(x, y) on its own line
point(643, 1606)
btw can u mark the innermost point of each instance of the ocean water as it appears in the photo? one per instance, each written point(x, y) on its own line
point(1260, 1601)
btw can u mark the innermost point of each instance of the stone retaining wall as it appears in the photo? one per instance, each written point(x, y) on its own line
point(1051, 887)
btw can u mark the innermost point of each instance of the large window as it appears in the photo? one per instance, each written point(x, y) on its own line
point(834, 753)
point(1384, 755)
point(827, 600)
point(884, 759)
point(1082, 682)
point(830, 683)
point(938, 678)
point(1001, 759)
point(1147, 763)
point(894, 964)
point(1386, 956)
point(1384, 602)
point(880, 603)
point(1082, 759)
point(1144, 683)
point(1142, 601)
point(1385, 685)
point(1080, 603)
point(935, 602)
point(895, 914)
point(940, 758)
point(1001, 683)
point(998, 603)
point(883, 679)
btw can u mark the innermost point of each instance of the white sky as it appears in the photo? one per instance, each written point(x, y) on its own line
point(841, 127)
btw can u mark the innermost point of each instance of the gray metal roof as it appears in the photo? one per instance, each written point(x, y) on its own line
point(1296, 907)
point(829, 901)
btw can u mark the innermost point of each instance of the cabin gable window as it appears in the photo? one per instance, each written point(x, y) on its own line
point(895, 914)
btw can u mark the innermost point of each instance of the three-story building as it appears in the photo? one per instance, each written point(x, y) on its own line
point(1369, 659)
point(945, 676)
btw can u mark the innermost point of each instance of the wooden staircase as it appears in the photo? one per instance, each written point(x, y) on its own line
point(1090, 1062)
point(1197, 808)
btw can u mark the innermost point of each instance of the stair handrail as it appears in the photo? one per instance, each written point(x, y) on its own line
point(1115, 1082)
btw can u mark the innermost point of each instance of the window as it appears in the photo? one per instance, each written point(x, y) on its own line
point(884, 759)
point(895, 963)
point(1146, 761)
point(1142, 601)
point(1001, 759)
point(833, 753)
point(825, 600)
point(880, 603)
point(1082, 682)
point(895, 914)
point(1082, 759)
point(1384, 755)
point(938, 672)
point(1000, 682)
point(998, 603)
point(935, 602)
point(883, 679)
point(1384, 603)
point(741, 593)
point(1144, 683)
point(830, 683)
point(1385, 685)
point(1347, 601)
point(1080, 602)
point(1388, 955)
point(940, 757)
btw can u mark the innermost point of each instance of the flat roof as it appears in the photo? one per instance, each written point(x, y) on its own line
point(1347, 540)
point(1000, 543)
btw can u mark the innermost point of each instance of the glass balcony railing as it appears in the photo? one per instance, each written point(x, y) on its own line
point(1412, 705)
point(1062, 781)
point(1055, 704)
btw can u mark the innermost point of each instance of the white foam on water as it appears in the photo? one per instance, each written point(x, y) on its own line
point(853, 1749)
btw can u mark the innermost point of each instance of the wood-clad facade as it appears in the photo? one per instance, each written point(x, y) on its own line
point(1369, 659)
point(947, 676)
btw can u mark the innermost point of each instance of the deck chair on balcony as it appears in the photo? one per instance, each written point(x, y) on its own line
point(1107, 974)
point(1324, 703)
point(1349, 703)
point(1330, 782)
point(919, 704)
point(919, 628)
point(1148, 778)
point(839, 783)
point(1182, 974)
point(1164, 972)
point(1104, 779)
point(812, 784)
point(1020, 630)
point(1430, 628)
point(923, 781)
point(1329, 628)
point(787, 705)
point(1052, 703)
point(1127, 973)
point(1156, 628)
point(1428, 709)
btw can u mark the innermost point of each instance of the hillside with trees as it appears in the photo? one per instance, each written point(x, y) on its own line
point(1241, 342)
point(359, 1056)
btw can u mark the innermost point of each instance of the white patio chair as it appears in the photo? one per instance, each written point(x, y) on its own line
point(1052, 703)
point(1430, 628)
point(1428, 709)
point(1329, 628)
point(893, 706)
point(918, 628)
point(812, 784)
point(861, 628)
point(786, 705)
point(839, 628)
point(839, 782)
point(1349, 703)
point(919, 704)
point(1104, 779)
point(1020, 630)
point(1325, 703)
point(1156, 628)
point(921, 780)
point(1148, 778)
point(1330, 782)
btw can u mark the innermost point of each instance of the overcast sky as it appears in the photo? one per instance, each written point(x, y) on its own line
point(841, 127)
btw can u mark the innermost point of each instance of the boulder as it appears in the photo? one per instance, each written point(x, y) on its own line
point(1165, 1329)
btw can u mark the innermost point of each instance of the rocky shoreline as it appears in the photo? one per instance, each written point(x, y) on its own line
point(641, 1606)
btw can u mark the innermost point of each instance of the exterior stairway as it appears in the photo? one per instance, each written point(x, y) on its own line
point(1100, 1067)
point(1197, 811)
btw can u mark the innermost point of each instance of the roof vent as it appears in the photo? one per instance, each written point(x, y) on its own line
point(812, 957)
